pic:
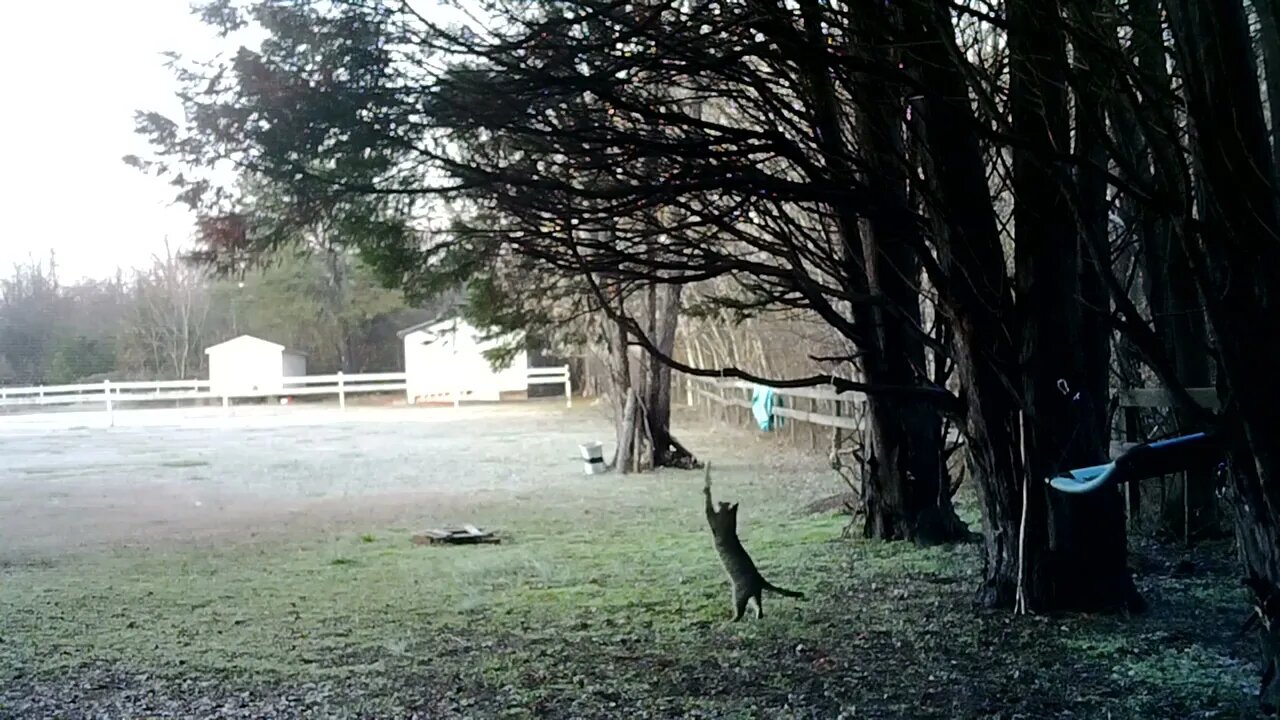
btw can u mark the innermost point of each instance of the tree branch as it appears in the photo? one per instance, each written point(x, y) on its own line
point(945, 400)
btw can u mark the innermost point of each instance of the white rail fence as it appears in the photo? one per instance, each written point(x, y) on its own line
point(737, 393)
point(110, 395)
point(807, 410)
point(558, 375)
point(844, 410)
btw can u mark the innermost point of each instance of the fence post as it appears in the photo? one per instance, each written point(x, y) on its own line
point(1133, 495)
point(342, 394)
point(106, 390)
point(688, 390)
point(226, 405)
point(568, 388)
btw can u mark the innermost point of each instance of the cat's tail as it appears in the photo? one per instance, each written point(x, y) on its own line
point(782, 591)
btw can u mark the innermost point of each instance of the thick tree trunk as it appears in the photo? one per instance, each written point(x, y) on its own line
point(665, 318)
point(1064, 395)
point(626, 413)
point(977, 294)
point(1240, 247)
point(1094, 212)
point(905, 495)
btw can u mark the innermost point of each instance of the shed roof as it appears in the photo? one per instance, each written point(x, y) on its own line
point(435, 325)
point(245, 340)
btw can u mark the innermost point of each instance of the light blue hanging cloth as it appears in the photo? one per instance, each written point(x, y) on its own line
point(762, 401)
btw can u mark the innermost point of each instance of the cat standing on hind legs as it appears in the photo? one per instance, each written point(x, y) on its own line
point(748, 583)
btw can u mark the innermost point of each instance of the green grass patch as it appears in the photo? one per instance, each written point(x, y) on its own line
point(604, 600)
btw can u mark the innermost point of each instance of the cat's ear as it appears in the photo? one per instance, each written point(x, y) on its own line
point(733, 507)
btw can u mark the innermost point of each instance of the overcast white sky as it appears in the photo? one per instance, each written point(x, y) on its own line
point(72, 73)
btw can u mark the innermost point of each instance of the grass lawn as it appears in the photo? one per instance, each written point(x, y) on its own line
point(606, 600)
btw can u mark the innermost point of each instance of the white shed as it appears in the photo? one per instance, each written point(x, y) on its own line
point(248, 365)
point(445, 357)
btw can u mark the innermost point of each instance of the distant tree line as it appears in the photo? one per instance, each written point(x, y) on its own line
point(155, 322)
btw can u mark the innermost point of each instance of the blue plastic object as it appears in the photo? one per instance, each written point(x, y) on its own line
point(1084, 480)
point(1144, 461)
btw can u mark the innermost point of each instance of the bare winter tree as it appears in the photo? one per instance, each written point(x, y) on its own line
point(165, 334)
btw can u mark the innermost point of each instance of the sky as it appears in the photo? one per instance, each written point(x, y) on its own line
point(72, 74)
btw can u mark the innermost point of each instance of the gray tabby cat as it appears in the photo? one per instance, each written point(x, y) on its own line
point(748, 583)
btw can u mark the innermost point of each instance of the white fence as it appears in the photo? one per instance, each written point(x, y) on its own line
point(533, 376)
point(111, 395)
point(843, 407)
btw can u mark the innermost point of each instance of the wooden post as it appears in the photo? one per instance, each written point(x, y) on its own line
point(568, 388)
point(836, 439)
point(453, 343)
point(1019, 597)
point(688, 390)
point(791, 426)
point(342, 393)
point(106, 390)
point(1132, 490)
point(813, 428)
point(1186, 508)
point(226, 405)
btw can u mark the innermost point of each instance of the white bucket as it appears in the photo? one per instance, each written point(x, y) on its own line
point(593, 457)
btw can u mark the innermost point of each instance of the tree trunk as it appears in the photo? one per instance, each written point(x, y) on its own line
point(1241, 256)
point(1168, 282)
point(976, 295)
point(665, 317)
point(1034, 558)
point(626, 458)
point(905, 495)
point(623, 396)
point(1269, 37)
point(1064, 395)
point(1094, 212)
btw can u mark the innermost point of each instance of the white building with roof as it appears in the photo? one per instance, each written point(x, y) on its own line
point(444, 358)
point(247, 365)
